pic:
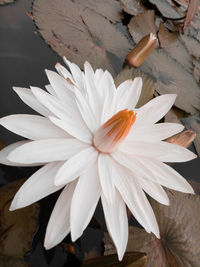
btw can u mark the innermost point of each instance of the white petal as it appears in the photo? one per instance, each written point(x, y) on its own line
point(154, 190)
point(29, 99)
point(128, 94)
point(46, 150)
point(116, 221)
point(86, 111)
point(154, 110)
point(76, 73)
point(50, 89)
point(155, 132)
point(98, 74)
point(161, 150)
point(76, 166)
point(165, 175)
point(59, 224)
point(84, 201)
point(135, 199)
point(106, 176)
point(38, 186)
point(73, 128)
point(63, 71)
point(33, 127)
point(61, 87)
point(7, 150)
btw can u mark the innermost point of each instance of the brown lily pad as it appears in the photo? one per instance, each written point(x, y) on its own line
point(179, 229)
point(148, 87)
point(131, 259)
point(16, 228)
point(80, 33)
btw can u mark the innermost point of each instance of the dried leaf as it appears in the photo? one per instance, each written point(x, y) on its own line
point(165, 37)
point(195, 185)
point(132, 7)
point(193, 123)
point(16, 228)
point(148, 88)
point(142, 25)
point(69, 28)
point(166, 8)
point(184, 138)
point(179, 229)
point(191, 11)
point(174, 115)
point(133, 259)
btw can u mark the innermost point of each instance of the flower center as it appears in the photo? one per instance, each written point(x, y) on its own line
point(112, 133)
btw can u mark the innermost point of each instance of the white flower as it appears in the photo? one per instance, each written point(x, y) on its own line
point(93, 142)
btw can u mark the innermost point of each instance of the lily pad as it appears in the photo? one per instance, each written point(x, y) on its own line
point(16, 228)
point(132, 259)
point(132, 7)
point(148, 87)
point(166, 8)
point(80, 33)
point(179, 229)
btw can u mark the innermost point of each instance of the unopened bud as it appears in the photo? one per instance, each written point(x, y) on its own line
point(183, 139)
point(142, 50)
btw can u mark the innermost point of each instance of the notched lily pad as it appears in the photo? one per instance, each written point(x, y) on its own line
point(132, 259)
point(16, 228)
point(179, 229)
point(148, 87)
point(74, 30)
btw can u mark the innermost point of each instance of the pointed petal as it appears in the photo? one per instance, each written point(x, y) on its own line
point(106, 176)
point(154, 110)
point(135, 199)
point(154, 190)
point(59, 224)
point(29, 99)
point(165, 175)
point(63, 71)
point(50, 89)
point(48, 150)
point(84, 201)
point(116, 221)
point(7, 150)
point(76, 166)
point(38, 186)
point(33, 127)
point(155, 132)
point(160, 150)
point(128, 94)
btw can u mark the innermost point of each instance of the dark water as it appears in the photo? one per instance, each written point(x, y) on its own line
point(23, 57)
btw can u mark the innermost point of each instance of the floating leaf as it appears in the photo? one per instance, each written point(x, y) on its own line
point(175, 115)
point(166, 8)
point(166, 38)
point(132, 7)
point(179, 229)
point(148, 87)
point(16, 228)
point(80, 34)
point(193, 123)
point(132, 259)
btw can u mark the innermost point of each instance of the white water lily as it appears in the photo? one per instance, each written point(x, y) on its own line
point(94, 143)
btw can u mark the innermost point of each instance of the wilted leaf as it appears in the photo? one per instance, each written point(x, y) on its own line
point(132, 7)
point(16, 228)
point(142, 25)
point(193, 123)
point(148, 87)
point(179, 229)
point(184, 138)
point(191, 11)
point(132, 259)
point(81, 34)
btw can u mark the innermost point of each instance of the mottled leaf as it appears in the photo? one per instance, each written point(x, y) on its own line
point(16, 228)
point(148, 87)
point(179, 229)
point(133, 259)
point(81, 34)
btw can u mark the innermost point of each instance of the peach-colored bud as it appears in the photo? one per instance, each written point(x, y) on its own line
point(183, 139)
point(142, 50)
point(110, 135)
